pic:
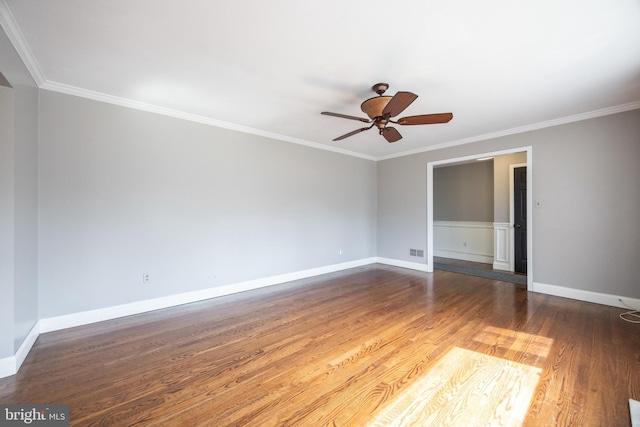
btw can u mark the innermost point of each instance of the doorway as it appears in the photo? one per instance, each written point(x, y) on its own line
point(528, 232)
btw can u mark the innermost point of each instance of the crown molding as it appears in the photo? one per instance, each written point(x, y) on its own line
point(541, 125)
point(124, 102)
point(8, 23)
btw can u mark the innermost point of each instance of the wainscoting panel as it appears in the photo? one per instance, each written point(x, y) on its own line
point(464, 240)
point(502, 232)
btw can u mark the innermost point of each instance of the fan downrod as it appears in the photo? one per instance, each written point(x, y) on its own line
point(380, 88)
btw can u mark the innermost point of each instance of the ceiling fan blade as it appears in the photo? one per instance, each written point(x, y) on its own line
point(347, 135)
point(426, 119)
point(344, 116)
point(398, 103)
point(391, 134)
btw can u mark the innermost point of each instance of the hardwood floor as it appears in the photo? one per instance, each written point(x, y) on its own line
point(376, 345)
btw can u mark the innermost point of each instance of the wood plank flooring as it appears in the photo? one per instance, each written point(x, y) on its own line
point(376, 345)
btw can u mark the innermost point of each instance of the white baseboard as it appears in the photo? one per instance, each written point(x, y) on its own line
point(587, 296)
point(404, 264)
point(634, 410)
point(560, 291)
point(503, 266)
point(10, 365)
point(25, 347)
point(51, 324)
point(92, 316)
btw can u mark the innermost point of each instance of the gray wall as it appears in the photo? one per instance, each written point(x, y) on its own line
point(7, 202)
point(18, 201)
point(501, 182)
point(26, 212)
point(586, 235)
point(463, 192)
point(125, 192)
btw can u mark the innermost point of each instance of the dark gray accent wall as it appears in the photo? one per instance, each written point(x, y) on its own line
point(463, 192)
point(585, 174)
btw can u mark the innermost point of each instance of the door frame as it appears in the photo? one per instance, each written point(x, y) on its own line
point(529, 151)
point(512, 253)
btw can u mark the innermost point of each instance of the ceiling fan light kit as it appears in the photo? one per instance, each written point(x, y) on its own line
point(373, 107)
point(381, 108)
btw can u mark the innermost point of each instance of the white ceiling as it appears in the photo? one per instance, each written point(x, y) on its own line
point(270, 67)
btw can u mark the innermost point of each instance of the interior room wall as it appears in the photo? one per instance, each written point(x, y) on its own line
point(125, 192)
point(501, 184)
point(463, 192)
point(7, 202)
point(26, 212)
point(586, 233)
point(18, 201)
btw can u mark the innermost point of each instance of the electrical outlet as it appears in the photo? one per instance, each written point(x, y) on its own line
point(146, 278)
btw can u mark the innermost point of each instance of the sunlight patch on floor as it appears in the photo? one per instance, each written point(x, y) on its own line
point(516, 342)
point(464, 388)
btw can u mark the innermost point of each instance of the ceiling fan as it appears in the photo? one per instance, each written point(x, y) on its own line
point(381, 108)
